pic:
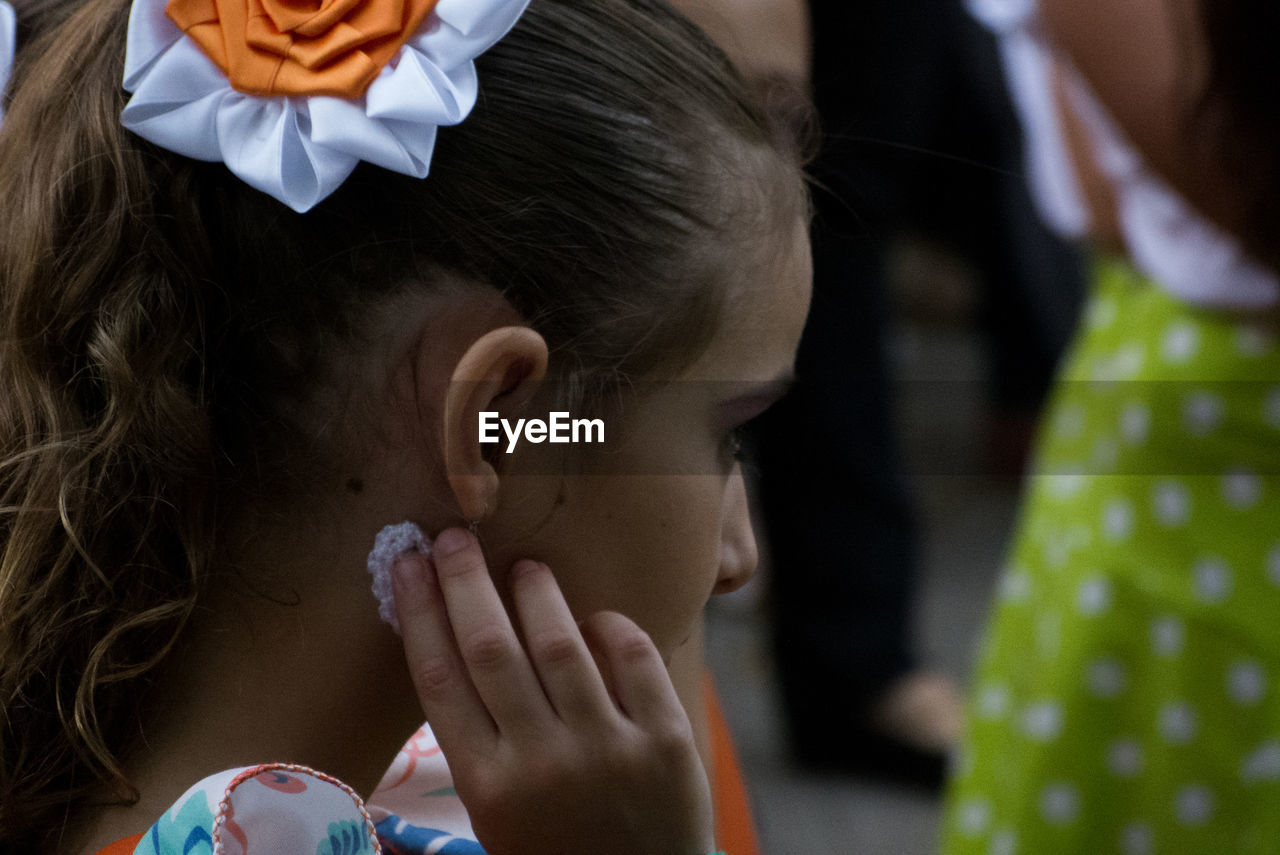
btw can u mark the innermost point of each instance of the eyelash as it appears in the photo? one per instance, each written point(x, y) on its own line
point(734, 444)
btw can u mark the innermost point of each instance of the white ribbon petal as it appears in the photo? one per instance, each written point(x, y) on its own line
point(482, 23)
point(341, 125)
point(299, 150)
point(266, 143)
point(8, 48)
point(188, 129)
point(418, 141)
point(151, 33)
point(177, 100)
point(417, 90)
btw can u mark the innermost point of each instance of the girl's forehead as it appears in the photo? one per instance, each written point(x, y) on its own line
point(762, 321)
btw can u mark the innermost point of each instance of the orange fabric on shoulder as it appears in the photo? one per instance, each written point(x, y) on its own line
point(123, 847)
point(735, 829)
point(300, 47)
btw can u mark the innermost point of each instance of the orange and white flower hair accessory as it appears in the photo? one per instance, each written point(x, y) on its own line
point(8, 47)
point(292, 94)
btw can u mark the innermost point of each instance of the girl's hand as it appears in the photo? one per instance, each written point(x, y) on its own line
point(576, 745)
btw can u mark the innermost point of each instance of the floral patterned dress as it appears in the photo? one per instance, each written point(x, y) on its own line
point(283, 808)
point(286, 808)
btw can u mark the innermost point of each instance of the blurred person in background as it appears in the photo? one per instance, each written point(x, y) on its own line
point(916, 138)
point(1126, 696)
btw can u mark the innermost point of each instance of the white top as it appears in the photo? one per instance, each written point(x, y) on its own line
point(1167, 239)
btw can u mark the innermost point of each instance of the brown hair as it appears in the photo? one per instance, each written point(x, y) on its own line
point(1239, 113)
point(163, 323)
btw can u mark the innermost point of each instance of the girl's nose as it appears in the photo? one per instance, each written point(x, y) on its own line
point(738, 552)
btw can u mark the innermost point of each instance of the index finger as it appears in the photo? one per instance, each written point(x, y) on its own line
point(501, 672)
point(450, 702)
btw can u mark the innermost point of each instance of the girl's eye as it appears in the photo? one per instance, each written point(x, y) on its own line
point(734, 444)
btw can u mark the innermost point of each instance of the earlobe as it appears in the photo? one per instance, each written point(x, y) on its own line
point(499, 372)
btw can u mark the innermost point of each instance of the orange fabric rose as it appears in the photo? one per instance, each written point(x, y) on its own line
point(300, 47)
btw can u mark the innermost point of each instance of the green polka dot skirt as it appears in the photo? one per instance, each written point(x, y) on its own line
point(1127, 697)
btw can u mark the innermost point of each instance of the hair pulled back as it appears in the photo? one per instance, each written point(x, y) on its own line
point(160, 321)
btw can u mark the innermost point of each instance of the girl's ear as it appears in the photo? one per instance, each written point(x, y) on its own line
point(499, 373)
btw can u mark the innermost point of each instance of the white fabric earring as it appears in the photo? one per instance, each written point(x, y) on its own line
point(392, 542)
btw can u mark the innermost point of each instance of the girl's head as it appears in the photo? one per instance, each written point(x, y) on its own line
point(190, 370)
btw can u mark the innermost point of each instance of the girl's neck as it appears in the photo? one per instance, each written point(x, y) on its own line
point(307, 675)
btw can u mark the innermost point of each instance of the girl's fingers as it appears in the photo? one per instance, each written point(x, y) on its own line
point(638, 678)
point(497, 664)
point(450, 702)
point(565, 666)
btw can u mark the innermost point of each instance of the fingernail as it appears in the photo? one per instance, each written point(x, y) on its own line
point(452, 540)
point(523, 567)
point(408, 575)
